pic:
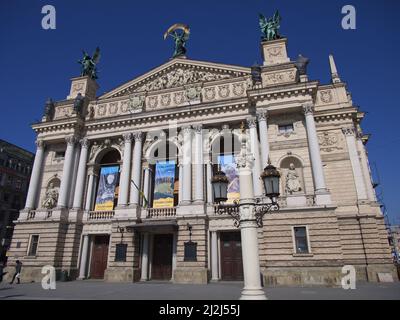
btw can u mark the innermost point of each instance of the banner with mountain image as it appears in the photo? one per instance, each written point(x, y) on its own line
point(228, 165)
point(106, 191)
point(164, 185)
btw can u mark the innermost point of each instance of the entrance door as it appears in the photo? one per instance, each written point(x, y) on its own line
point(161, 266)
point(231, 256)
point(99, 256)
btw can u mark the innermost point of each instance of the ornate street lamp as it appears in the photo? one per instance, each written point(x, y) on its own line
point(270, 177)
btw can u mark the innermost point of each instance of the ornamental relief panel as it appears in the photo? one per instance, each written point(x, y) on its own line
point(279, 77)
point(325, 96)
point(63, 112)
point(330, 142)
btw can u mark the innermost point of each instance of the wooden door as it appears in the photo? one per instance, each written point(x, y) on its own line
point(99, 256)
point(231, 256)
point(161, 266)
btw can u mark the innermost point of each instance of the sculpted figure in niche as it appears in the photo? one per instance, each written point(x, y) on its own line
point(292, 180)
point(51, 198)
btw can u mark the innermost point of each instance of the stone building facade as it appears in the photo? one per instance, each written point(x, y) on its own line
point(191, 112)
point(15, 170)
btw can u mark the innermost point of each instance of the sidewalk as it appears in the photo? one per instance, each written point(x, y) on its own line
point(100, 290)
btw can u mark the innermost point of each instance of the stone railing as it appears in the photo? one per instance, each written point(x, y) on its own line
point(100, 215)
point(161, 212)
point(39, 214)
point(31, 215)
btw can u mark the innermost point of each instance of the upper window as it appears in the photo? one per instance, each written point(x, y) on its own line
point(301, 241)
point(33, 245)
point(286, 128)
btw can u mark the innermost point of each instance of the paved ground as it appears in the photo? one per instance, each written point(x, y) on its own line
point(99, 290)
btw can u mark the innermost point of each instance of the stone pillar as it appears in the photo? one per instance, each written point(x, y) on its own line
point(90, 189)
point(74, 175)
point(33, 189)
point(137, 169)
point(257, 182)
point(355, 163)
point(248, 228)
point(322, 196)
point(146, 185)
point(199, 163)
point(262, 117)
point(214, 256)
point(180, 191)
point(187, 166)
point(84, 256)
point(365, 168)
point(125, 172)
point(208, 182)
point(145, 258)
point(174, 249)
point(67, 173)
point(80, 180)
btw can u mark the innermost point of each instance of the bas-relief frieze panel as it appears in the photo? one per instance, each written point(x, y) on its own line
point(325, 96)
point(290, 144)
point(279, 77)
point(330, 142)
point(62, 112)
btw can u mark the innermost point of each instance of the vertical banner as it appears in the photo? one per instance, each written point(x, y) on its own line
point(164, 185)
point(228, 165)
point(106, 191)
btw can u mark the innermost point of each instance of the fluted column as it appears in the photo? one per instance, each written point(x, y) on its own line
point(74, 174)
point(145, 258)
point(84, 256)
point(90, 188)
point(365, 168)
point(180, 191)
point(256, 154)
point(33, 189)
point(208, 182)
point(124, 181)
point(67, 172)
point(313, 146)
point(137, 168)
point(355, 163)
point(214, 256)
point(146, 185)
point(187, 168)
point(80, 179)
point(199, 164)
point(262, 117)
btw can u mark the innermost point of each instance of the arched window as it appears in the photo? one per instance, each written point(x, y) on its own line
point(292, 176)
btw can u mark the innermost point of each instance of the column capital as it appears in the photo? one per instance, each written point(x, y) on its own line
point(251, 122)
point(71, 140)
point(198, 128)
point(262, 115)
point(187, 129)
point(348, 131)
point(308, 108)
point(127, 136)
point(138, 136)
point(85, 143)
point(40, 144)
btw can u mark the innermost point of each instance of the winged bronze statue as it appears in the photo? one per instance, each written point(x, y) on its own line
point(269, 27)
point(180, 38)
point(89, 64)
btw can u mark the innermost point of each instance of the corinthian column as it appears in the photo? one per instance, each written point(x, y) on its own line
point(67, 172)
point(187, 168)
point(137, 168)
point(355, 163)
point(31, 197)
point(263, 127)
point(80, 179)
point(256, 154)
point(199, 163)
point(125, 172)
point(366, 168)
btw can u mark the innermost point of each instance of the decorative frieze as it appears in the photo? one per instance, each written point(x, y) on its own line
point(329, 142)
point(279, 77)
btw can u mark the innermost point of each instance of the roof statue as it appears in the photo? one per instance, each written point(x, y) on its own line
point(269, 27)
point(180, 38)
point(89, 64)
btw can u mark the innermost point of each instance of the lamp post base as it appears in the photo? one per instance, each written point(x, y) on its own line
point(253, 294)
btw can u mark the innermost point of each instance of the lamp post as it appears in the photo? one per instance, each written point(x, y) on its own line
point(248, 215)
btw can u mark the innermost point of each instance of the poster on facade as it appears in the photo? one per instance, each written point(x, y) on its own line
point(228, 165)
point(107, 187)
point(164, 185)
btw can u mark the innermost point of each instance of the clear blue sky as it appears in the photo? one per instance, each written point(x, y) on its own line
point(36, 63)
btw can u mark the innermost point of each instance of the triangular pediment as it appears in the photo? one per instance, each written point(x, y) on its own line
point(176, 73)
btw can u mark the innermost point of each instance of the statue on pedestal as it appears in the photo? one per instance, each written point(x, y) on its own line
point(179, 38)
point(269, 27)
point(89, 64)
point(51, 198)
point(292, 180)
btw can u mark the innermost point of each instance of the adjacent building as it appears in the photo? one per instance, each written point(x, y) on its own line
point(121, 183)
point(15, 170)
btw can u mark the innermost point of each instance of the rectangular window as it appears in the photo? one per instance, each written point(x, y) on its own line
point(33, 245)
point(120, 252)
point(300, 239)
point(286, 128)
